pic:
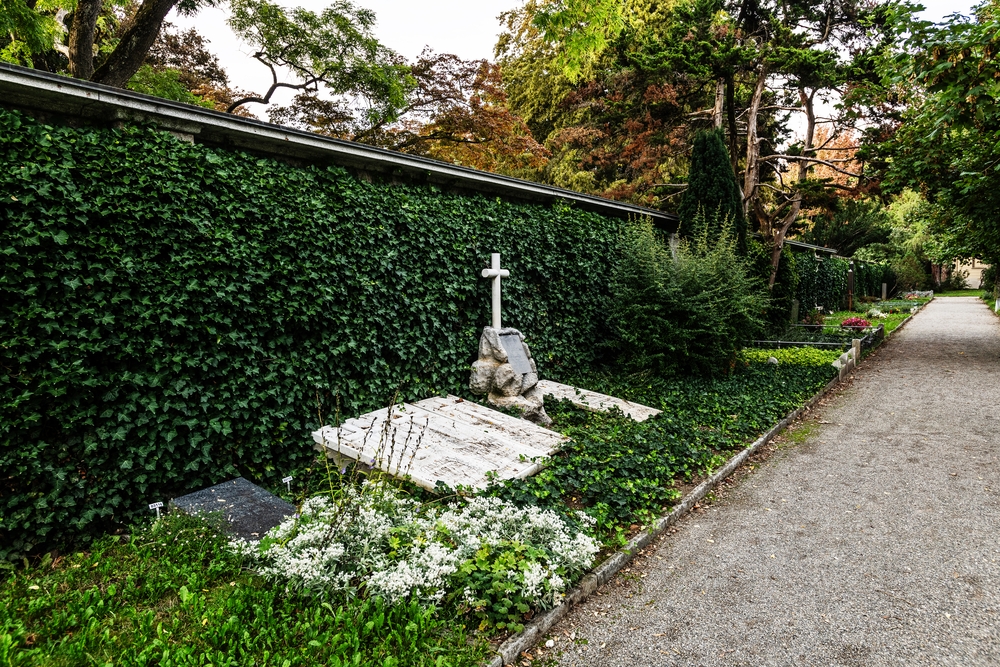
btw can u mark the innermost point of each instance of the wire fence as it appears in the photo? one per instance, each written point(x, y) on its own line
point(813, 335)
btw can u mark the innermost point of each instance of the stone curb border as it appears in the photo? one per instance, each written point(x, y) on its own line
point(508, 652)
point(901, 325)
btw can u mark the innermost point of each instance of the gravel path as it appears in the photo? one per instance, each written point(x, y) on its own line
point(875, 540)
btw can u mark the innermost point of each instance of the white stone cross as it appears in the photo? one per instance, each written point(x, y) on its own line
point(496, 273)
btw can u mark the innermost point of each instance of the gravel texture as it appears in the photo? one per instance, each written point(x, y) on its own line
point(870, 537)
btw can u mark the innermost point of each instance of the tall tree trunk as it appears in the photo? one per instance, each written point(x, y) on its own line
point(781, 230)
point(127, 57)
point(734, 137)
point(720, 96)
point(751, 176)
point(81, 39)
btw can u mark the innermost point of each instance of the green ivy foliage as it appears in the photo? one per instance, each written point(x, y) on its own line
point(622, 471)
point(868, 279)
point(778, 311)
point(823, 281)
point(172, 315)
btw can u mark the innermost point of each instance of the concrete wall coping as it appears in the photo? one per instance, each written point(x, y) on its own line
point(25, 88)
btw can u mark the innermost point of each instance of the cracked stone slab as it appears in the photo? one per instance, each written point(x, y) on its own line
point(595, 402)
point(524, 431)
point(445, 440)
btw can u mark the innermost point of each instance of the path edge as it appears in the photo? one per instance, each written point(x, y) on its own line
point(508, 652)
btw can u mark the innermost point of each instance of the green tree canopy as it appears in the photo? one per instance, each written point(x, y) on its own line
point(946, 143)
point(853, 225)
point(335, 49)
point(26, 30)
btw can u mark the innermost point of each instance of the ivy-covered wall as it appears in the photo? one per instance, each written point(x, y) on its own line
point(823, 281)
point(170, 313)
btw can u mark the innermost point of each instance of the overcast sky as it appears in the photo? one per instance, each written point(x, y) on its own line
point(467, 28)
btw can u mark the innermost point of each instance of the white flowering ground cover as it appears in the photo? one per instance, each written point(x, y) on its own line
point(488, 557)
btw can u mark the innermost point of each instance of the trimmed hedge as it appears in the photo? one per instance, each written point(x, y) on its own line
point(170, 314)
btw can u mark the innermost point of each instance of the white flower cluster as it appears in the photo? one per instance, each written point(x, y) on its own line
point(397, 548)
point(876, 314)
point(492, 522)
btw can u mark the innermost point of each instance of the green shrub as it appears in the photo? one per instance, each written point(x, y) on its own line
point(686, 309)
point(712, 188)
point(170, 314)
point(911, 271)
point(797, 356)
point(990, 280)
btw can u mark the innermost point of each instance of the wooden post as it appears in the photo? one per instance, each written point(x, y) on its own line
point(850, 287)
point(884, 290)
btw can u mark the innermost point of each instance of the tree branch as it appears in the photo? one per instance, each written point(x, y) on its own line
point(803, 158)
point(134, 45)
point(274, 86)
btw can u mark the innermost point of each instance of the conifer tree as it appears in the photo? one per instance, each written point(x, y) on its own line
point(712, 187)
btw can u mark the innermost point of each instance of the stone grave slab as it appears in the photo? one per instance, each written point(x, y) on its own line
point(248, 510)
point(522, 430)
point(445, 440)
point(591, 400)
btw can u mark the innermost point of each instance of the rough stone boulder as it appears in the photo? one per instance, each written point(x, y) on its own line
point(494, 375)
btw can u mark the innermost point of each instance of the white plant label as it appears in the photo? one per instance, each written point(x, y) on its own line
point(156, 506)
point(288, 482)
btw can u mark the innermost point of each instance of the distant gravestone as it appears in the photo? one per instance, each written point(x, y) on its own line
point(247, 510)
point(516, 357)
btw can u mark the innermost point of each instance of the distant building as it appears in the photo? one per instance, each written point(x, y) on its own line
point(974, 269)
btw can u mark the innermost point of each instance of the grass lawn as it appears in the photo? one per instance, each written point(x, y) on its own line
point(961, 292)
point(171, 593)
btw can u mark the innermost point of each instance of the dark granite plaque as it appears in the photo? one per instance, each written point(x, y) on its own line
point(515, 353)
point(247, 510)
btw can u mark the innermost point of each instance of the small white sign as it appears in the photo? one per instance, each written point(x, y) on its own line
point(288, 482)
point(156, 506)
